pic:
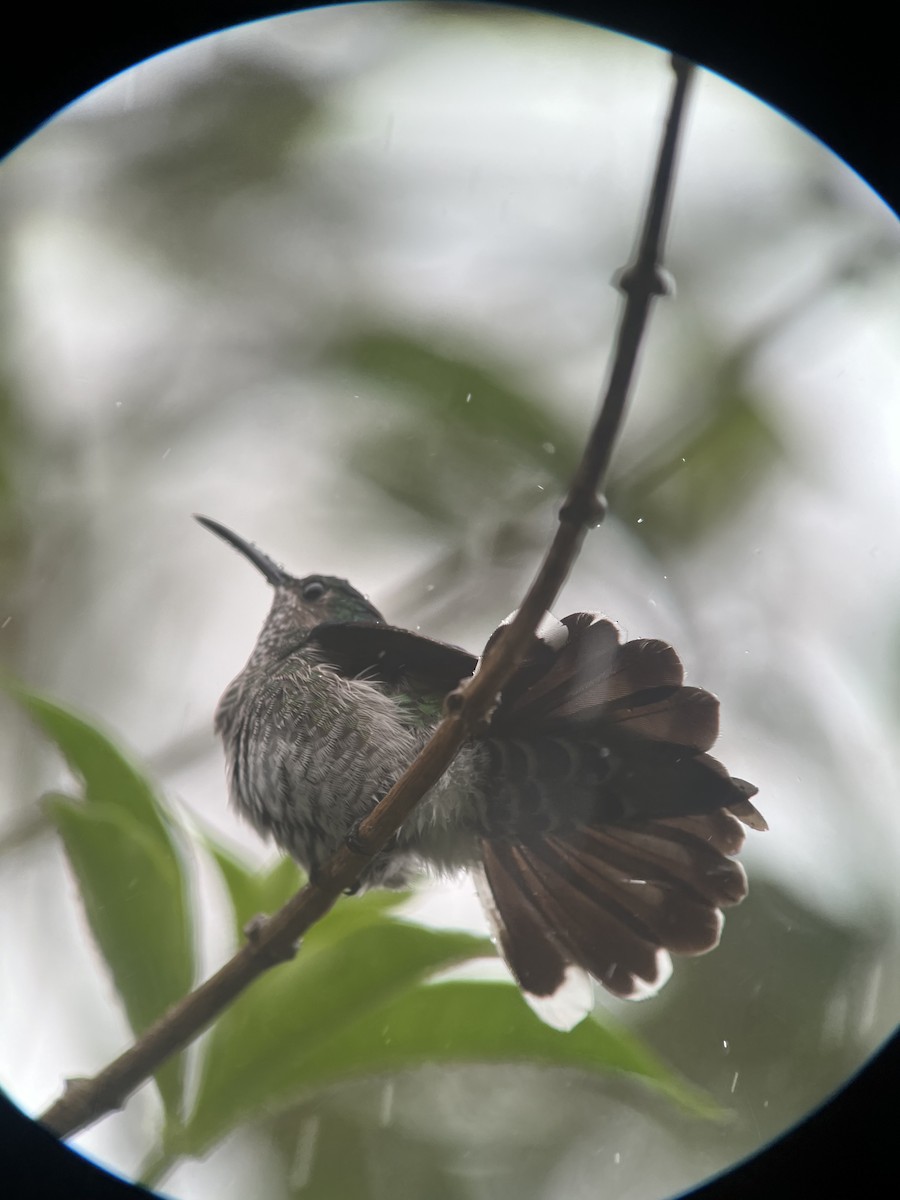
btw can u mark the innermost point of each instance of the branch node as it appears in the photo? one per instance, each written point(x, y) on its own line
point(272, 952)
point(75, 1087)
point(454, 701)
point(356, 842)
point(644, 278)
point(78, 1095)
point(585, 508)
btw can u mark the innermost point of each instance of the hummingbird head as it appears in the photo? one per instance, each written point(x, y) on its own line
point(299, 605)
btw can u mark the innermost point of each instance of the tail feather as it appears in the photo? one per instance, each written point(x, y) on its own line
point(615, 901)
point(650, 779)
point(718, 829)
point(746, 811)
point(683, 716)
point(589, 671)
point(531, 954)
point(588, 933)
point(634, 689)
point(657, 908)
point(663, 852)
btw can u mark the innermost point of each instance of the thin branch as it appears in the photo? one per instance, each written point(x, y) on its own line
point(275, 939)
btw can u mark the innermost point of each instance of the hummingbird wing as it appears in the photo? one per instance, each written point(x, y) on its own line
point(613, 832)
point(392, 655)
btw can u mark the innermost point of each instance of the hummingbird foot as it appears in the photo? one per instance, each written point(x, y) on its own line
point(356, 844)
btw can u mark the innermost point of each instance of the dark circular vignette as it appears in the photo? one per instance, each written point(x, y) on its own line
point(34, 1163)
point(835, 76)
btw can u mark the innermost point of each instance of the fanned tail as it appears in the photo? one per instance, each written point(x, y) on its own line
point(645, 865)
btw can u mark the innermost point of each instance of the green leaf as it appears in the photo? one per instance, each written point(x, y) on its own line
point(484, 1022)
point(106, 772)
point(256, 1053)
point(123, 849)
point(253, 892)
point(263, 892)
point(133, 898)
point(264, 1070)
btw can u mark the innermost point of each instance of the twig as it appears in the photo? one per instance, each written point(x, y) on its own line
point(276, 938)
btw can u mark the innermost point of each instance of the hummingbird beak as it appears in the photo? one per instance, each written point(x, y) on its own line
point(273, 573)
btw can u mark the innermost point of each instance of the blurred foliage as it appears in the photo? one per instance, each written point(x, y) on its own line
point(127, 856)
point(170, 178)
point(462, 440)
point(466, 441)
point(12, 438)
point(713, 462)
point(787, 1006)
point(290, 1031)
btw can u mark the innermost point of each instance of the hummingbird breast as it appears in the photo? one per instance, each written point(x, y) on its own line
point(310, 752)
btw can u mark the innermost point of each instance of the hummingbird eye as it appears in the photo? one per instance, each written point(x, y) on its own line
point(314, 590)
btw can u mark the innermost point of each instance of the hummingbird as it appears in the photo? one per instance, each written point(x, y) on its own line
point(601, 833)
